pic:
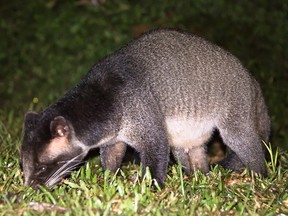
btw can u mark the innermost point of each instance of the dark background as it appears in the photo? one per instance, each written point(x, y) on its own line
point(47, 46)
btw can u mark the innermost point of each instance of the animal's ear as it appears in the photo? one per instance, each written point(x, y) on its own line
point(59, 127)
point(30, 120)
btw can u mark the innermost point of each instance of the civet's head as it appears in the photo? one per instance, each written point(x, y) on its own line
point(50, 150)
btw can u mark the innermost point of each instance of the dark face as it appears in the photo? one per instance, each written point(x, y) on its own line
point(49, 151)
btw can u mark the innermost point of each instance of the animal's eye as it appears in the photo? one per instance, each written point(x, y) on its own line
point(41, 169)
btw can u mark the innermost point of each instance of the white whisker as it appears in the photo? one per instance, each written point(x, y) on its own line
point(64, 170)
point(61, 172)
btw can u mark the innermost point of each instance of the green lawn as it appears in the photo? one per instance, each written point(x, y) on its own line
point(45, 48)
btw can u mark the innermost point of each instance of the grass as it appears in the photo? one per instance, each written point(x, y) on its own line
point(90, 191)
point(46, 47)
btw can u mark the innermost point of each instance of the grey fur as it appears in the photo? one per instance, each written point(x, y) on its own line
point(165, 90)
point(190, 78)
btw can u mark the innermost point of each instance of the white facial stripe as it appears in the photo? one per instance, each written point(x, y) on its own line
point(56, 147)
